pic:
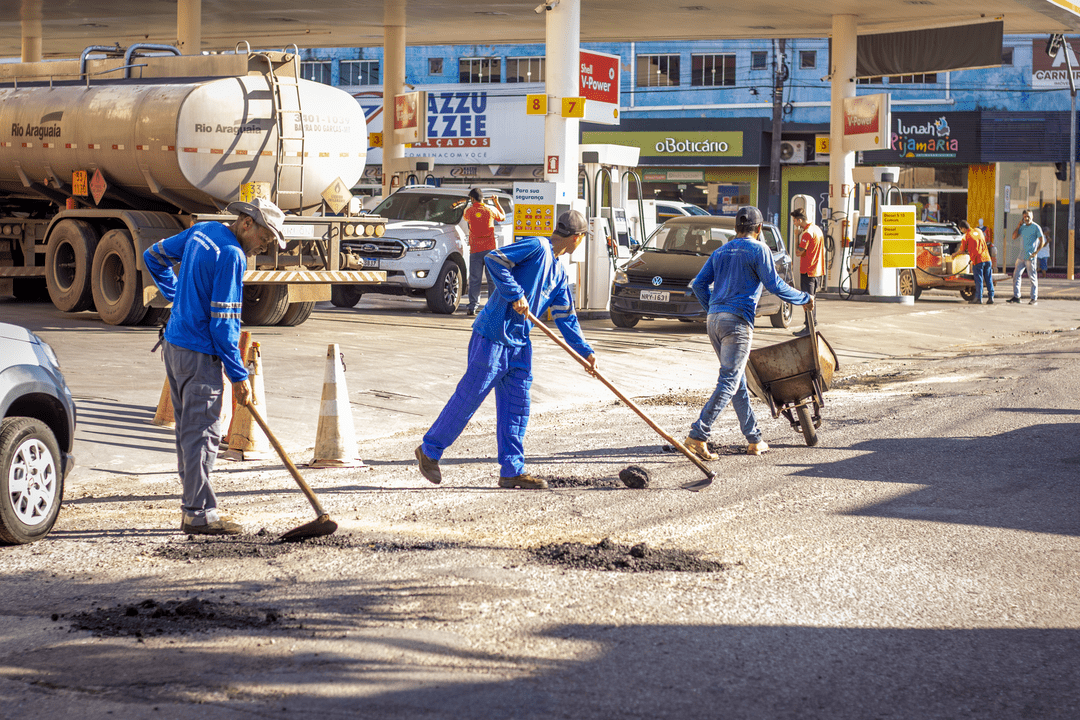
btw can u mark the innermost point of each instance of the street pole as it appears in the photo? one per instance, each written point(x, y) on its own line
point(1070, 253)
point(777, 130)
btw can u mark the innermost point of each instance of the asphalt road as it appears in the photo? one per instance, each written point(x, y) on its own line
point(921, 561)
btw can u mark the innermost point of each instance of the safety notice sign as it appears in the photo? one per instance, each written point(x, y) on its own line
point(534, 209)
point(898, 236)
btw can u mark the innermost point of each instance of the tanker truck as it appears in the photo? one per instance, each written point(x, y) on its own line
point(100, 157)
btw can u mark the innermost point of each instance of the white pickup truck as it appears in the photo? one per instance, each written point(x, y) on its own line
point(425, 247)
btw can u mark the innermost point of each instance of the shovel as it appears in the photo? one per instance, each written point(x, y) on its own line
point(693, 486)
point(320, 526)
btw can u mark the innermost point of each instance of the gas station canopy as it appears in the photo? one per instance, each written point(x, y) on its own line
point(67, 27)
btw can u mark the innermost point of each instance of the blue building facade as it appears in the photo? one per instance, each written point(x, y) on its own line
point(981, 144)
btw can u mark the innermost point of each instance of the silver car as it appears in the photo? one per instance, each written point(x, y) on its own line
point(36, 436)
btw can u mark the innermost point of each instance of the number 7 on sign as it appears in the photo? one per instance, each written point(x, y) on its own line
point(573, 107)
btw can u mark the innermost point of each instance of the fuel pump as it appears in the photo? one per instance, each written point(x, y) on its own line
point(882, 282)
point(608, 170)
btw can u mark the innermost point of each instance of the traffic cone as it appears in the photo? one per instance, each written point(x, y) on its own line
point(335, 440)
point(247, 441)
point(164, 415)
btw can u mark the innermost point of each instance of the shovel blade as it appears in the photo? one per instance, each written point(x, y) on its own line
point(319, 527)
point(698, 485)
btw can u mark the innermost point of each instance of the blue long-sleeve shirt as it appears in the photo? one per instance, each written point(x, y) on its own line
point(737, 271)
point(528, 269)
point(207, 295)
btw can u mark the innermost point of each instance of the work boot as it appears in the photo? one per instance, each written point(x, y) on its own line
point(759, 448)
point(1033, 301)
point(699, 448)
point(470, 312)
point(803, 332)
point(1013, 299)
point(428, 468)
point(525, 481)
point(218, 527)
point(990, 301)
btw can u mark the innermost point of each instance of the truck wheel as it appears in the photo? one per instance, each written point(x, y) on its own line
point(782, 317)
point(116, 285)
point(967, 294)
point(264, 304)
point(156, 316)
point(345, 296)
point(31, 485)
point(908, 285)
point(445, 295)
point(623, 320)
point(30, 289)
point(68, 261)
point(296, 314)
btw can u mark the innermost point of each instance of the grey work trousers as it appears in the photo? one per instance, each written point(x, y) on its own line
point(196, 388)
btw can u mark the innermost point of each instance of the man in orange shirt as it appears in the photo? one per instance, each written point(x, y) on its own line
point(482, 218)
point(811, 252)
point(974, 244)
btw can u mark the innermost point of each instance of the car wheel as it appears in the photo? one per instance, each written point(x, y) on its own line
point(264, 304)
point(31, 485)
point(68, 261)
point(623, 320)
point(445, 295)
point(782, 317)
point(908, 286)
point(345, 296)
point(117, 288)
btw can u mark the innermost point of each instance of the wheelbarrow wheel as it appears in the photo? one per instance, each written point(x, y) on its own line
point(806, 424)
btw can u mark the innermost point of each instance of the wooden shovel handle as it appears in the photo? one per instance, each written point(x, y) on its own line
point(629, 403)
point(304, 487)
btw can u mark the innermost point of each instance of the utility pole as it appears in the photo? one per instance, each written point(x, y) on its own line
point(779, 76)
point(1053, 46)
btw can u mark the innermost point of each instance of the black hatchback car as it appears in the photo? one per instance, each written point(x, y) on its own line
point(655, 282)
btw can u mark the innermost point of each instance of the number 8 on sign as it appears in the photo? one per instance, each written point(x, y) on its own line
point(536, 104)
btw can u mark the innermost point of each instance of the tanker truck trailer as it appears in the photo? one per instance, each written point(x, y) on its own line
point(101, 157)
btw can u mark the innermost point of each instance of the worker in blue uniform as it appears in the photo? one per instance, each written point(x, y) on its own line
point(729, 286)
point(202, 337)
point(527, 276)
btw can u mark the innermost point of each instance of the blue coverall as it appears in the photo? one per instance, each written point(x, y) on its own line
point(500, 353)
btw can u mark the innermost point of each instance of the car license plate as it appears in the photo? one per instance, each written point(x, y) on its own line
point(655, 295)
point(371, 263)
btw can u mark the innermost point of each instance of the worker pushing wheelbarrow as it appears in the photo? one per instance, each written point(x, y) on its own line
point(792, 378)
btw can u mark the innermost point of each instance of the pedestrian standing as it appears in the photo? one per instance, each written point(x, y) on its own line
point(1032, 241)
point(202, 337)
point(974, 244)
point(527, 276)
point(1044, 258)
point(729, 286)
point(481, 218)
point(988, 233)
point(811, 252)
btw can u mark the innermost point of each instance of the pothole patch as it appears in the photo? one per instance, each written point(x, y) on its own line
point(612, 556)
point(566, 481)
point(265, 545)
point(151, 618)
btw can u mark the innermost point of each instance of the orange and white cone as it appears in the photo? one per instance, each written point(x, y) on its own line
point(247, 441)
point(335, 440)
point(164, 417)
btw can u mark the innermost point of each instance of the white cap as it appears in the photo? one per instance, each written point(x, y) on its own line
point(265, 213)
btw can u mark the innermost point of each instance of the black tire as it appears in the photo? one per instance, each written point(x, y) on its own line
point(117, 286)
point(31, 480)
point(445, 295)
point(264, 304)
point(908, 285)
point(155, 316)
point(782, 317)
point(69, 260)
point(296, 314)
point(345, 296)
point(967, 294)
point(806, 424)
point(30, 290)
point(623, 320)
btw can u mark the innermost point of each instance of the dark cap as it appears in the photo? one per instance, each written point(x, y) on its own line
point(748, 215)
point(571, 223)
point(798, 213)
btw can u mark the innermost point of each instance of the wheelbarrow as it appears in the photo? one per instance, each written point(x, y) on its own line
point(792, 378)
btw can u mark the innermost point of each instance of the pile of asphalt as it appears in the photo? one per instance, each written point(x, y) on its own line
point(610, 555)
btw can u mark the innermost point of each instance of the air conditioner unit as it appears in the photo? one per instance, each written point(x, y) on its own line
point(793, 152)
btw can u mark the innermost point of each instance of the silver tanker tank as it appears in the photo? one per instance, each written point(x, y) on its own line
point(192, 143)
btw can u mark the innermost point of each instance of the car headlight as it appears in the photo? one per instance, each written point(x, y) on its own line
point(49, 353)
point(620, 277)
point(419, 244)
